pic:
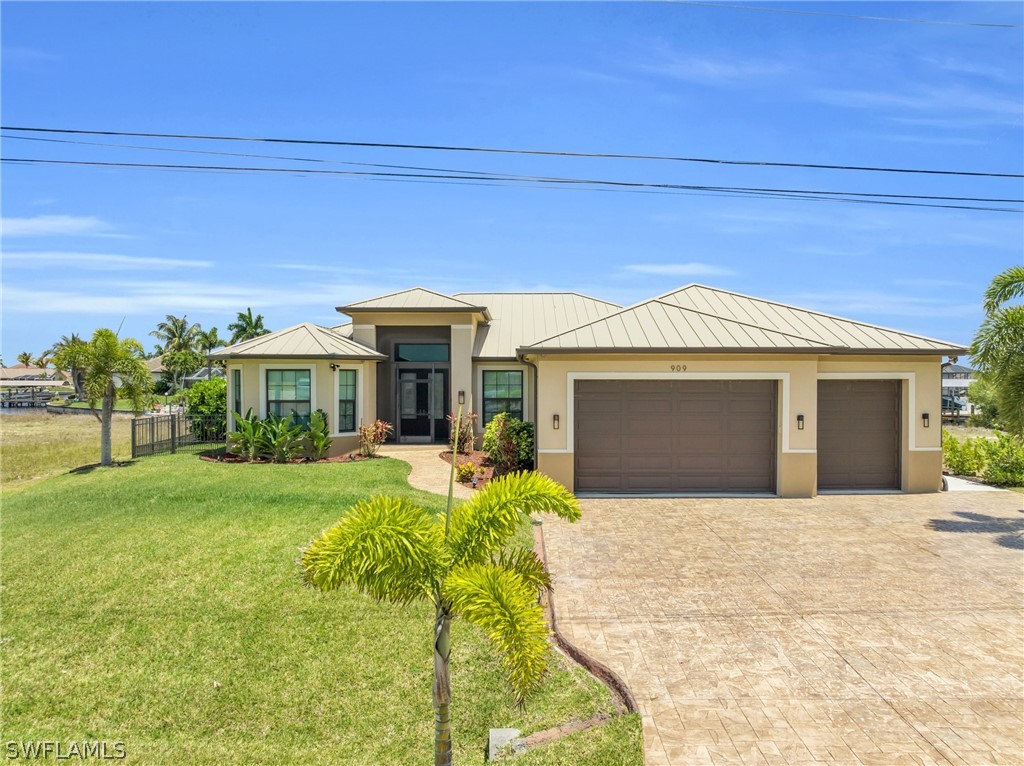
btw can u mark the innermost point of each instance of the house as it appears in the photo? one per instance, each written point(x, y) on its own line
point(28, 372)
point(202, 374)
point(956, 378)
point(699, 390)
point(156, 368)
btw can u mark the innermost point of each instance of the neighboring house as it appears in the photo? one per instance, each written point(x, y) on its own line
point(956, 378)
point(155, 365)
point(201, 374)
point(27, 372)
point(699, 390)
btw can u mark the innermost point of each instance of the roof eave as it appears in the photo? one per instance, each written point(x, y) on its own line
point(349, 357)
point(482, 310)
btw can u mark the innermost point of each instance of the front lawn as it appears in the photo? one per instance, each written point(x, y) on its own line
point(159, 604)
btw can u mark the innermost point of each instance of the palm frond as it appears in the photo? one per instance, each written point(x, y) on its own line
point(505, 607)
point(386, 547)
point(527, 565)
point(1004, 287)
point(481, 526)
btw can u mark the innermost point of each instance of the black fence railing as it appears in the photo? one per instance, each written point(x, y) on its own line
point(179, 432)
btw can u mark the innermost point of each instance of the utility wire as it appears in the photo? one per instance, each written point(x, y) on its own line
point(532, 152)
point(846, 15)
point(362, 173)
point(519, 177)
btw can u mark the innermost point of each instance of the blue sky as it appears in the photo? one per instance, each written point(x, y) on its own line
point(86, 247)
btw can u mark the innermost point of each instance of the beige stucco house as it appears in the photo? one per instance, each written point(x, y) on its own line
point(699, 390)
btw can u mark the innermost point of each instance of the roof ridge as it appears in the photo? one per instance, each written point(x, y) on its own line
point(622, 310)
point(260, 339)
point(539, 292)
point(816, 313)
point(313, 335)
point(409, 290)
point(745, 324)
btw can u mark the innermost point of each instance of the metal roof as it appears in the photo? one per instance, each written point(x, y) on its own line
point(306, 340)
point(416, 299)
point(957, 369)
point(522, 318)
point(659, 326)
point(846, 335)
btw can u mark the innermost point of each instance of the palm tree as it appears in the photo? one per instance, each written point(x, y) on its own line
point(25, 358)
point(463, 562)
point(176, 333)
point(207, 340)
point(77, 379)
point(998, 347)
point(247, 327)
point(111, 367)
point(42, 361)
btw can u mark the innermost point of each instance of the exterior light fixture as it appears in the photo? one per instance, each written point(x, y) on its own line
point(462, 397)
point(925, 420)
point(799, 422)
point(554, 421)
point(334, 367)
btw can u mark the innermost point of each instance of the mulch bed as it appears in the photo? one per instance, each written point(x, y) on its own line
point(484, 472)
point(352, 458)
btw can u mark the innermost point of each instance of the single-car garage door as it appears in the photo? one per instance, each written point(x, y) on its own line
point(677, 436)
point(858, 434)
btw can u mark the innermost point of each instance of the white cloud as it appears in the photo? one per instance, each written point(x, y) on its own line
point(955, 101)
point(95, 261)
point(703, 70)
point(50, 225)
point(693, 269)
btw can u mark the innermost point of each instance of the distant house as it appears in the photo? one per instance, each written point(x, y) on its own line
point(27, 372)
point(190, 380)
point(156, 367)
point(956, 378)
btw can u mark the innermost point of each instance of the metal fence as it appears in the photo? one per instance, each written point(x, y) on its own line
point(179, 432)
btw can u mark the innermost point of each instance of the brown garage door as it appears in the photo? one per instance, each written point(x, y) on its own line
point(858, 434)
point(674, 436)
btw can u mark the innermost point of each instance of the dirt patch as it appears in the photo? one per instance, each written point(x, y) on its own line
point(484, 469)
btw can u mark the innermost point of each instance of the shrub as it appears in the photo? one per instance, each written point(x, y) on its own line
point(508, 442)
point(1004, 465)
point(465, 471)
point(280, 439)
point(983, 397)
point(467, 439)
point(209, 399)
point(372, 436)
point(318, 443)
point(245, 441)
point(966, 458)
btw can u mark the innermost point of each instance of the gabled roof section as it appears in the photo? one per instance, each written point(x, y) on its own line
point(416, 299)
point(522, 318)
point(659, 326)
point(847, 335)
point(306, 340)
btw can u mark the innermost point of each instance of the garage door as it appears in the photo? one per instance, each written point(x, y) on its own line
point(674, 436)
point(858, 434)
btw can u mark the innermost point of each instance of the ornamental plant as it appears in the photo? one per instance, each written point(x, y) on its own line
point(371, 437)
point(461, 432)
point(465, 471)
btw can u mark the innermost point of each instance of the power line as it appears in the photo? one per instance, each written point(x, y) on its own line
point(847, 15)
point(378, 174)
point(521, 177)
point(531, 152)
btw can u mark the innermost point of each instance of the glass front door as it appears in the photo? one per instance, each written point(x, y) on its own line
point(422, 405)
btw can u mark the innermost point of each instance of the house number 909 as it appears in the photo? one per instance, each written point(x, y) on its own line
point(678, 368)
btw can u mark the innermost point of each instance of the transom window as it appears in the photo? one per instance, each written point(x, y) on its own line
point(421, 352)
point(288, 393)
point(346, 400)
point(503, 392)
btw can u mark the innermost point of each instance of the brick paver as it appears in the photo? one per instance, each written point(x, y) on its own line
point(849, 629)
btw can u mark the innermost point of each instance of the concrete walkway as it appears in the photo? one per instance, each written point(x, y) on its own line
point(429, 472)
point(956, 484)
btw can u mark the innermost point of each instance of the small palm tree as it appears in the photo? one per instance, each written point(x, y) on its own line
point(177, 334)
point(247, 326)
point(110, 367)
point(463, 562)
point(998, 348)
point(25, 358)
point(77, 379)
point(208, 340)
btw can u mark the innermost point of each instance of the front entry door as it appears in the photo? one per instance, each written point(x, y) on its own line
point(422, 405)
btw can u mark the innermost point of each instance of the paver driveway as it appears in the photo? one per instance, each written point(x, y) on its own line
point(844, 629)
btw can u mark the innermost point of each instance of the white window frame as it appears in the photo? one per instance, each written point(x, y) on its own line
point(263, 384)
point(335, 377)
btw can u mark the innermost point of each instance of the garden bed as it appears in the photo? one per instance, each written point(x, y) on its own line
point(229, 458)
point(484, 468)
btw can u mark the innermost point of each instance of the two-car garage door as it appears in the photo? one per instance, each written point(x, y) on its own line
point(674, 436)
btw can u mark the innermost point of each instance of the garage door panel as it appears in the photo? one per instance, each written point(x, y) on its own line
point(859, 434)
point(675, 436)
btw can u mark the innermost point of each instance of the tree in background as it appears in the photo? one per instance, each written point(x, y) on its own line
point(176, 333)
point(66, 344)
point(178, 364)
point(111, 368)
point(207, 341)
point(247, 326)
point(42, 361)
point(25, 358)
point(998, 348)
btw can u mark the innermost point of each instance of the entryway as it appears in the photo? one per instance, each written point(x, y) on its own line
point(423, 405)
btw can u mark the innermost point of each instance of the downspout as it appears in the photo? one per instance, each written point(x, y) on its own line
point(533, 408)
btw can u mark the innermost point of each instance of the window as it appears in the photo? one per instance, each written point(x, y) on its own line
point(346, 401)
point(503, 392)
point(288, 394)
point(236, 392)
point(421, 352)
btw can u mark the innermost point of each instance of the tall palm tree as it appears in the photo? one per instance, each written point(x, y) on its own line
point(463, 562)
point(111, 367)
point(208, 340)
point(176, 333)
point(246, 326)
point(998, 347)
point(25, 358)
point(77, 378)
point(42, 361)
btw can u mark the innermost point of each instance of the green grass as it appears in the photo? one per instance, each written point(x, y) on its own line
point(121, 405)
point(159, 604)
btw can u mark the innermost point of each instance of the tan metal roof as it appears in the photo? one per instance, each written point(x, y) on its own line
point(416, 299)
point(656, 325)
point(846, 334)
point(306, 340)
point(155, 364)
point(521, 318)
